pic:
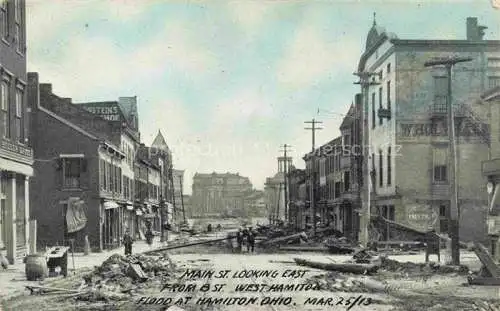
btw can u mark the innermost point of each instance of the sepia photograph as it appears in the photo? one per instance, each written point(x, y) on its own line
point(250, 155)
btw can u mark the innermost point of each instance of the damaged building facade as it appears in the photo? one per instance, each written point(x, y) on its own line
point(405, 105)
point(88, 158)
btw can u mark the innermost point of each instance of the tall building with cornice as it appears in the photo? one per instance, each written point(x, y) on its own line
point(219, 194)
point(405, 107)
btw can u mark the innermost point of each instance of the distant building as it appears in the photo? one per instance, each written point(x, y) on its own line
point(188, 207)
point(299, 209)
point(177, 192)
point(216, 194)
point(275, 191)
point(255, 203)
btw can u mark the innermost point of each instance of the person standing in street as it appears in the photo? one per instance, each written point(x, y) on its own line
point(127, 241)
point(239, 239)
point(251, 240)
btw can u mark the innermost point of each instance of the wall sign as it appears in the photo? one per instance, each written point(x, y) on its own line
point(110, 113)
point(463, 128)
point(421, 216)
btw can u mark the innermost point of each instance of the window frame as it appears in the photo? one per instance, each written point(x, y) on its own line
point(440, 98)
point(19, 115)
point(440, 170)
point(67, 164)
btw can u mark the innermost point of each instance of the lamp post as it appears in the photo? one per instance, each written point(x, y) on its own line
point(454, 215)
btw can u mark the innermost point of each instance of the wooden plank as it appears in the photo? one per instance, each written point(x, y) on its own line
point(486, 259)
point(305, 248)
point(484, 281)
point(340, 267)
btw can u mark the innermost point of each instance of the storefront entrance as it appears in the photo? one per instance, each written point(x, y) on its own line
point(111, 228)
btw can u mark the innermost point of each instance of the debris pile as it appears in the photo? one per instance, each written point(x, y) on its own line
point(337, 282)
point(119, 276)
point(410, 267)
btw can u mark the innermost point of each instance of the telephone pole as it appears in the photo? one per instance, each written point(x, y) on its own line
point(365, 80)
point(313, 130)
point(454, 215)
point(285, 180)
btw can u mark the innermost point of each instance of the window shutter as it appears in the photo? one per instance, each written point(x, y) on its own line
point(59, 172)
point(84, 175)
point(84, 165)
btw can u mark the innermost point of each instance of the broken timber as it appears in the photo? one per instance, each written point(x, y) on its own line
point(285, 239)
point(492, 269)
point(166, 248)
point(340, 267)
point(305, 248)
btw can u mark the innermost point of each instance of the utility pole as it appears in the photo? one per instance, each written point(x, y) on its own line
point(162, 204)
point(454, 218)
point(312, 179)
point(182, 198)
point(365, 81)
point(285, 180)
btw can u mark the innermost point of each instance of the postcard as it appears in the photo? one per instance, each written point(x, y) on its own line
point(250, 155)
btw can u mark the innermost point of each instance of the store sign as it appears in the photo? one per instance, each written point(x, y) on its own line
point(107, 112)
point(21, 150)
point(421, 216)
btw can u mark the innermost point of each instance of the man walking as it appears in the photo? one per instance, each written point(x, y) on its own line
point(127, 241)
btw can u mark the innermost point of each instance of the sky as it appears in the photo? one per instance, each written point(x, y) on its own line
point(228, 82)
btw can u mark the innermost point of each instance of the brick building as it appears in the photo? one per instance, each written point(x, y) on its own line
point(405, 109)
point(16, 155)
point(77, 162)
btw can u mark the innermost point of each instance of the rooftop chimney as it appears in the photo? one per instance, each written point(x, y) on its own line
point(475, 32)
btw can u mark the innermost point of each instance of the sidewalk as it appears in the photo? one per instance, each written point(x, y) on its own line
point(13, 280)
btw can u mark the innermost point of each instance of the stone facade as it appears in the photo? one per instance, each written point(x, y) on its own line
point(219, 194)
point(405, 108)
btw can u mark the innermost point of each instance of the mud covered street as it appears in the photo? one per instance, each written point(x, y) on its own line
point(233, 281)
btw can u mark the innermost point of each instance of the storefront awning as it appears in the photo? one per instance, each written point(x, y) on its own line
point(110, 205)
point(130, 207)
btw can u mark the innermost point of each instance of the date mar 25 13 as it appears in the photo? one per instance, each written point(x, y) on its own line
point(347, 302)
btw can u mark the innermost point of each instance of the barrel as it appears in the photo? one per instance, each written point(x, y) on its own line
point(36, 267)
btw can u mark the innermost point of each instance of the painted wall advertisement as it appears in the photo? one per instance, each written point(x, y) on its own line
point(421, 216)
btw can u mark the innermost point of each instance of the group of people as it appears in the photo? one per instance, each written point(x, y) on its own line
point(246, 239)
